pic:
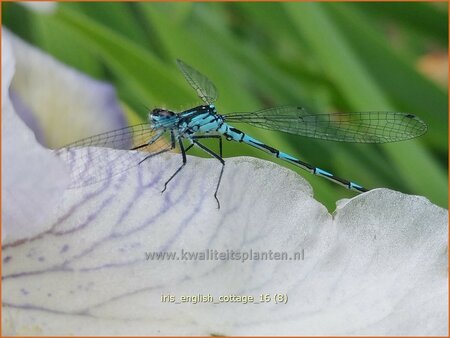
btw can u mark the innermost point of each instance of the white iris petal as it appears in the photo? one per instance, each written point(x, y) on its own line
point(380, 260)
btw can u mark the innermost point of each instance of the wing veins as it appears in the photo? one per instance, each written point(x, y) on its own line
point(362, 127)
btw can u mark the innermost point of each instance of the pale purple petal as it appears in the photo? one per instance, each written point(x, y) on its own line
point(32, 177)
point(27, 116)
point(65, 105)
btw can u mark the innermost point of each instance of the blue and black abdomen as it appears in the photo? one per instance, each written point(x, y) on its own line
point(233, 134)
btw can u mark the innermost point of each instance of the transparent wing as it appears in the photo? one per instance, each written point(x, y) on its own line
point(90, 162)
point(203, 86)
point(360, 127)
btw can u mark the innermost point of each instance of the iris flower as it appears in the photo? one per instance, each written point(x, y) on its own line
point(85, 261)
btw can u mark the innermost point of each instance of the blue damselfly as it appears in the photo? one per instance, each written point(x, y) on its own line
point(147, 140)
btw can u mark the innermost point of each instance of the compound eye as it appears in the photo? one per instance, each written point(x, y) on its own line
point(156, 111)
point(162, 112)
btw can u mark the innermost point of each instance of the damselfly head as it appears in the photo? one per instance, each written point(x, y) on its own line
point(161, 118)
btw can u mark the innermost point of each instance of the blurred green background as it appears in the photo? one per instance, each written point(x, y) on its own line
point(323, 56)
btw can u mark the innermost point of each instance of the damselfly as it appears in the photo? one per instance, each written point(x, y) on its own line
point(147, 140)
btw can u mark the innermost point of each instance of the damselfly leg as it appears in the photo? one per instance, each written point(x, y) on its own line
point(213, 154)
point(194, 140)
point(183, 155)
point(172, 146)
